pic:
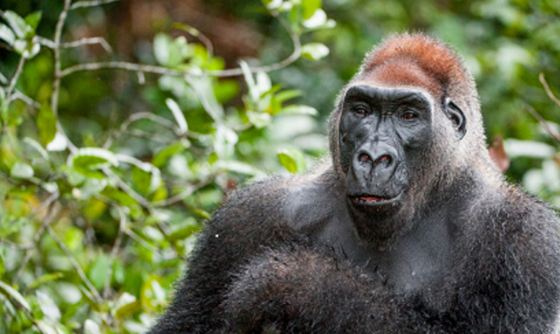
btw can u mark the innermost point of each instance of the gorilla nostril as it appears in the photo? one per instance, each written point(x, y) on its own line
point(384, 159)
point(364, 157)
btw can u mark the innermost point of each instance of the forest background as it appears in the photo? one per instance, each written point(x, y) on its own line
point(126, 123)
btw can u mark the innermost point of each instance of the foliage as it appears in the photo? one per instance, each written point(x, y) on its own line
point(109, 168)
point(95, 223)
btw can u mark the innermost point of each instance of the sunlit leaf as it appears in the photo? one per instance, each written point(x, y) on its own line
point(162, 45)
point(161, 158)
point(91, 327)
point(7, 34)
point(49, 308)
point(178, 114)
point(259, 120)
point(299, 110)
point(292, 159)
point(21, 170)
point(314, 51)
point(17, 23)
point(12, 293)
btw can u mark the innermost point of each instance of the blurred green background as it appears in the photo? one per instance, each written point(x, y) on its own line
point(126, 202)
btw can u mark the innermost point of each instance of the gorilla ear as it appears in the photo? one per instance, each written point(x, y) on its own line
point(456, 115)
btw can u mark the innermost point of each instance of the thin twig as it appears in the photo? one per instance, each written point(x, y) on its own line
point(163, 70)
point(82, 4)
point(544, 123)
point(116, 245)
point(547, 89)
point(88, 41)
point(45, 42)
point(57, 71)
point(76, 265)
point(15, 78)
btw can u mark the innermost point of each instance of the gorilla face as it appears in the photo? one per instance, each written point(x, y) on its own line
point(384, 136)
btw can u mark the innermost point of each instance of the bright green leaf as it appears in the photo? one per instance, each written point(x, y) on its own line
point(309, 7)
point(21, 170)
point(46, 122)
point(7, 34)
point(314, 51)
point(287, 95)
point(33, 20)
point(12, 293)
point(292, 159)
point(48, 307)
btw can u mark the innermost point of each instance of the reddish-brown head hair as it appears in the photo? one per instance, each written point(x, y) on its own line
point(414, 60)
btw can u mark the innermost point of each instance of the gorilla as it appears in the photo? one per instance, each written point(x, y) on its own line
point(408, 228)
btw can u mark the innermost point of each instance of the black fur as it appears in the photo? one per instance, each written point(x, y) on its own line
point(296, 255)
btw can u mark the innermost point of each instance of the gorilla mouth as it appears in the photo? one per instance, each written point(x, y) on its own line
point(369, 199)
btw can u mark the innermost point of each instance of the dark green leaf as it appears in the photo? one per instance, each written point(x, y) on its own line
point(87, 161)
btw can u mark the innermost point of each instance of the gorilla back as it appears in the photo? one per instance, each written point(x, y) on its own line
point(410, 228)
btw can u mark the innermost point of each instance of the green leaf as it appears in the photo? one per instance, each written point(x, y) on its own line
point(178, 114)
point(292, 159)
point(299, 110)
point(46, 122)
point(48, 307)
point(259, 120)
point(314, 51)
point(45, 278)
point(21, 170)
point(27, 49)
point(184, 232)
point(162, 45)
point(287, 95)
point(309, 7)
point(37, 147)
point(33, 20)
point(272, 4)
point(12, 293)
point(7, 34)
point(18, 24)
point(87, 161)
point(97, 273)
point(142, 180)
point(161, 158)
point(125, 305)
point(91, 327)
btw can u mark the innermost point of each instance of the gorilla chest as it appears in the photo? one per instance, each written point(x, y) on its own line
point(418, 261)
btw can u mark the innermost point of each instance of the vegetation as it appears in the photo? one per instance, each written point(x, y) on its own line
point(124, 125)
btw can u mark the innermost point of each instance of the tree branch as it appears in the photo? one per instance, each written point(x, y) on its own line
point(82, 4)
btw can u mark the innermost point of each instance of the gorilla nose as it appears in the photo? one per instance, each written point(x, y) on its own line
point(380, 161)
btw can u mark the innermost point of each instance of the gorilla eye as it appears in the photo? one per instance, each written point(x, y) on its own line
point(409, 116)
point(361, 110)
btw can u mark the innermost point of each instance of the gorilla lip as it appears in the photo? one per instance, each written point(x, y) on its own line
point(368, 199)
